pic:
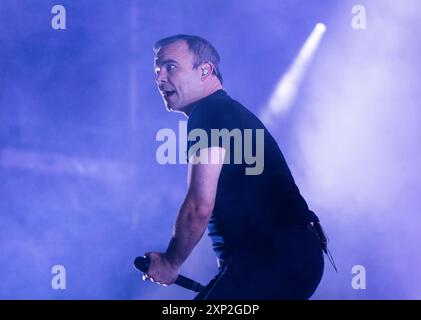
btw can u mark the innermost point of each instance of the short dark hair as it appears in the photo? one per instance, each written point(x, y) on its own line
point(202, 49)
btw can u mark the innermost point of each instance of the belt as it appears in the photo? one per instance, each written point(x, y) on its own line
point(314, 226)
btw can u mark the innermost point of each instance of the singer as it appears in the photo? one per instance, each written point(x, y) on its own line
point(261, 228)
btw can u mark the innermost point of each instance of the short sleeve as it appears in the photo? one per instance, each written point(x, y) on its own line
point(206, 125)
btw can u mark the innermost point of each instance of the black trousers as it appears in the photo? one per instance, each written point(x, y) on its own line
point(291, 272)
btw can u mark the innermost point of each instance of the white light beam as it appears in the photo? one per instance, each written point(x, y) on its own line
point(286, 90)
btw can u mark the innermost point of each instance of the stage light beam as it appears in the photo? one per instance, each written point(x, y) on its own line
point(286, 90)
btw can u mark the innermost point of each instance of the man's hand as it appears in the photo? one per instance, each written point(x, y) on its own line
point(160, 269)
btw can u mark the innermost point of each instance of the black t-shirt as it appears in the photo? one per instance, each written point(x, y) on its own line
point(249, 208)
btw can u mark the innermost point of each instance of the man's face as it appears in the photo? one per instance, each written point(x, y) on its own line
point(178, 83)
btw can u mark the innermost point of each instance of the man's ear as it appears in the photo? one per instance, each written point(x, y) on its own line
point(207, 69)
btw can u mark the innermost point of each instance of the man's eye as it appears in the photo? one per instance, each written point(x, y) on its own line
point(170, 67)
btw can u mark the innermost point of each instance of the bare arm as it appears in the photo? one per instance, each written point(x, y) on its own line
point(198, 205)
point(193, 216)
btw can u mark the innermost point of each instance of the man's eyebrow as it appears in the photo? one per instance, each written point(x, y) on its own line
point(160, 63)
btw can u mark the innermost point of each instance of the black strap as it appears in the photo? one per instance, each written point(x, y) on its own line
point(322, 236)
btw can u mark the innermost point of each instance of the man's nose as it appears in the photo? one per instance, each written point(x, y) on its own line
point(160, 77)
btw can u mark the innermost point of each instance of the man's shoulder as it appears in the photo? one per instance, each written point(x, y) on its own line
point(216, 103)
point(223, 106)
point(221, 111)
point(212, 107)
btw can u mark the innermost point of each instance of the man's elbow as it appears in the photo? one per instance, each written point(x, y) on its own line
point(199, 209)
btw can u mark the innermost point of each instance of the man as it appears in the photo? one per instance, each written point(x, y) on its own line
point(261, 228)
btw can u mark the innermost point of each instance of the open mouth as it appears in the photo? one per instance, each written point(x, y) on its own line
point(168, 93)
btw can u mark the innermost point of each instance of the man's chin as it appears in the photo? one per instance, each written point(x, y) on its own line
point(169, 106)
point(172, 107)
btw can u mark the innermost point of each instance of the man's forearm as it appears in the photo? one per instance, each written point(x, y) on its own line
point(189, 227)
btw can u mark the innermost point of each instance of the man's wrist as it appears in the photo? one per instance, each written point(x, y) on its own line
point(172, 260)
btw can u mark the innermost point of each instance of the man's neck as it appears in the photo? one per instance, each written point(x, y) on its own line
point(208, 91)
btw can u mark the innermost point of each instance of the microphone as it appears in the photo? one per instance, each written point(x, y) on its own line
point(142, 264)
